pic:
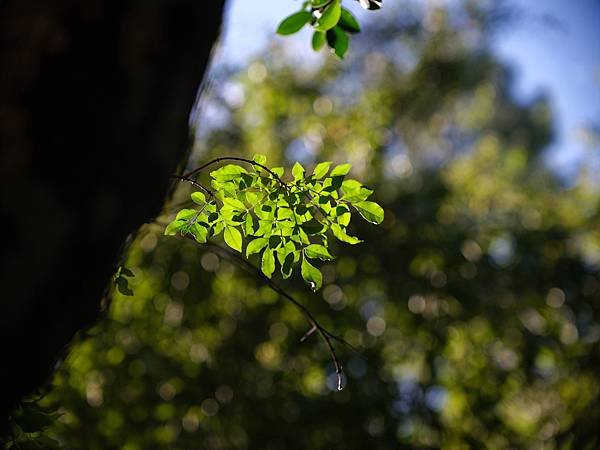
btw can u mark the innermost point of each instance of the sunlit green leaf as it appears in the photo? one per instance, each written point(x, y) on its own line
point(228, 173)
point(279, 171)
point(321, 169)
point(342, 169)
point(293, 23)
point(199, 232)
point(233, 238)
point(174, 227)
point(268, 262)
point(199, 198)
point(330, 17)
point(357, 195)
point(256, 245)
point(185, 214)
point(249, 225)
point(318, 40)
point(298, 172)
point(311, 275)
point(371, 211)
point(341, 235)
point(234, 203)
point(317, 251)
point(260, 159)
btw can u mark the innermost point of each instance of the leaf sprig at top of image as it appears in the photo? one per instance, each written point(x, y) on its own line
point(332, 23)
point(286, 223)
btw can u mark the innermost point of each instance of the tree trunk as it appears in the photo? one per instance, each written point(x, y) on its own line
point(95, 98)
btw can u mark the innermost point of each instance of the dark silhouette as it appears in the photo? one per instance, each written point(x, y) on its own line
point(95, 98)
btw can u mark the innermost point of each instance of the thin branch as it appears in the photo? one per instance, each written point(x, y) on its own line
point(315, 325)
point(308, 333)
point(194, 183)
point(234, 158)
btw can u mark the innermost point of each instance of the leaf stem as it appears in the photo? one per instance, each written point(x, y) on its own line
point(235, 158)
point(326, 336)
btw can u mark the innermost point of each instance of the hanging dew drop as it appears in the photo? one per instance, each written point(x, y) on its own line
point(313, 286)
point(339, 385)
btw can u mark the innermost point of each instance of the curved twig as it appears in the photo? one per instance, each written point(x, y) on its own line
point(234, 158)
point(327, 336)
point(194, 183)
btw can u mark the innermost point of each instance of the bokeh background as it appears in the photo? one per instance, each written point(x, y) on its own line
point(475, 306)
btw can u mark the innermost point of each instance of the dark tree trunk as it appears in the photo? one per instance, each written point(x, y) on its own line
point(95, 97)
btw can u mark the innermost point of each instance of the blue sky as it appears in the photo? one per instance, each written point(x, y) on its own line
point(562, 60)
point(554, 47)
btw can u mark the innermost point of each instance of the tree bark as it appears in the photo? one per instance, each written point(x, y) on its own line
point(95, 98)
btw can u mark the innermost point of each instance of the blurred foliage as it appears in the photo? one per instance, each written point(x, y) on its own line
point(476, 303)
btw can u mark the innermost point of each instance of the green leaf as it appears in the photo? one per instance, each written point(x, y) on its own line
point(286, 267)
point(279, 171)
point(340, 170)
point(196, 230)
point(353, 191)
point(233, 238)
point(218, 226)
point(124, 271)
point(318, 40)
point(199, 232)
point(317, 251)
point(249, 225)
point(330, 17)
point(260, 159)
point(283, 252)
point(234, 203)
point(348, 22)
point(338, 41)
point(268, 263)
point(198, 198)
point(174, 227)
point(256, 245)
point(371, 211)
point(123, 286)
point(284, 213)
point(298, 172)
point(185, 214)
point(321, 169)
point(344, 219)
point(293, 23)
point(313, 226)
point(229, 172)
point(252, 198)
point(341, 235)
point(318, 3)
point(264, 228)
point(311, 275)
point(350, 186)
point(274, 241)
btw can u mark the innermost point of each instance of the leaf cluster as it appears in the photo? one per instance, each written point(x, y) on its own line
point(331, 22)
point(285, 223)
